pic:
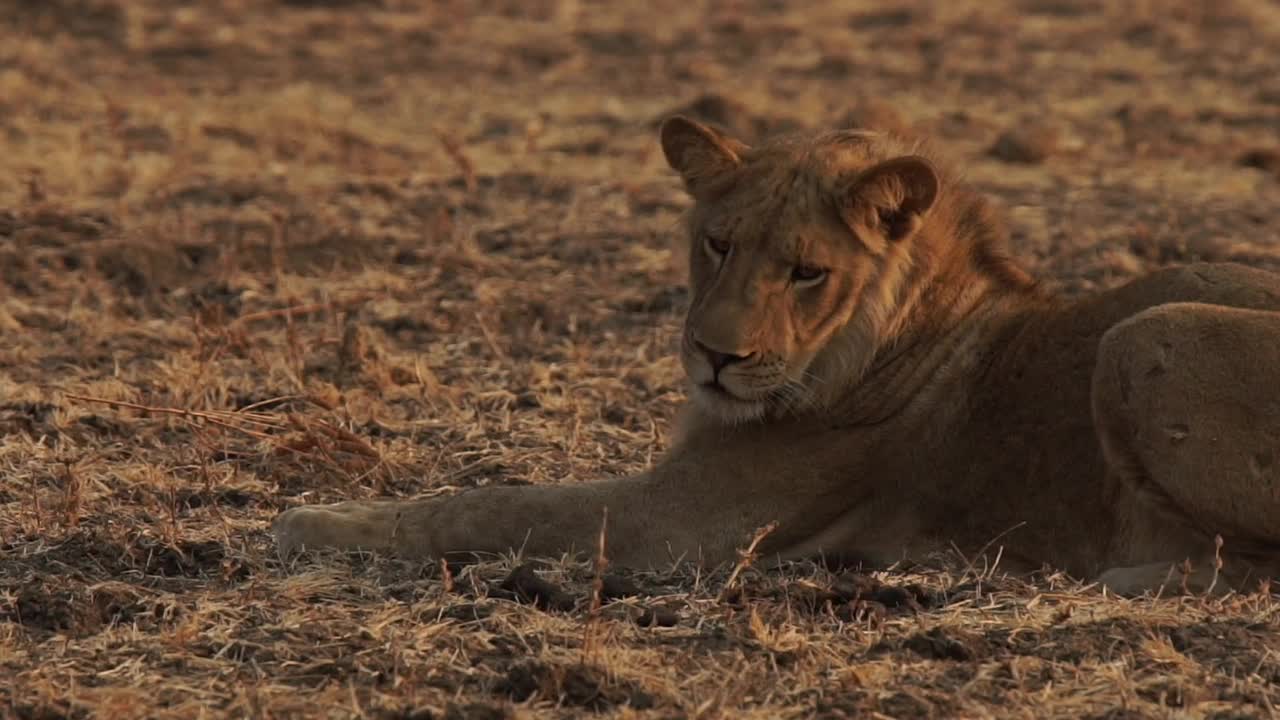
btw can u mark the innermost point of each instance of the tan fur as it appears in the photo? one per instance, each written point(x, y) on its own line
point(920, 394)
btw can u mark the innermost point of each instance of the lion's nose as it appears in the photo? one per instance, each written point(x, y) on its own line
point(720, 360)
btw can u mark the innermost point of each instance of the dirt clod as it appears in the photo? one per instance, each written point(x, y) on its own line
point(657, 617)
point(571, 685)
point(875, 114)
point(941, 644)
point(1025, 145)
point(1264, 159)
point(525, 584)
point(614, 586)
point(719, 110)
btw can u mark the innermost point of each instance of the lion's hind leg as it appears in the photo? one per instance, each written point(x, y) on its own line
point(1186, 401)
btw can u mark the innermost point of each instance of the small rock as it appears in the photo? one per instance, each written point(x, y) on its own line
point(469, 711)
point(572, 685)
point(862, 611)
point(1026, 145)
point(231, 134)
point(720, 111)
point(146, 138)
point(899, 597)
point(525, 584)
point(851, 586)
point(1264, 159)
point(939, 644)
point(1210, 248)
point(657, 617)
point(854, 587)
point(614, 586)
point(732, 117)
point(874, 114)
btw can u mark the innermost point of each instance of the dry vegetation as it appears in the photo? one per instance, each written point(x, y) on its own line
point(313, 250)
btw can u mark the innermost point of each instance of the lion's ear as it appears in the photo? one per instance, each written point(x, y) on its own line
point(697, 152)
point(891, 199)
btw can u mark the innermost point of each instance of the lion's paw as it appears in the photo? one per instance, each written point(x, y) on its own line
point(1166, 578)
point(352, 525)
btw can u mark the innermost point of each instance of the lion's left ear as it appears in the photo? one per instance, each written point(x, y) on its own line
point(700, 154)
point(889, 200)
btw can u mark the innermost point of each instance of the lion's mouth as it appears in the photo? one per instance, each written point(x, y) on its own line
point(715, 388)
point(717, 391)
point(723, 402)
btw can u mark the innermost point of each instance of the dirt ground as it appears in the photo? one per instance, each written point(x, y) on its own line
point(255, 254)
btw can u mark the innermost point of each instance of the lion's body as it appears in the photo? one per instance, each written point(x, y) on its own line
point(874, 375)
point(1026, 449)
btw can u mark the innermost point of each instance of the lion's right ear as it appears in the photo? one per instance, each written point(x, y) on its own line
point(697, 152)
point(889, 201)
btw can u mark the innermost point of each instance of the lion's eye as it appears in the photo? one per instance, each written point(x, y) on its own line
point(807, 274)
point(716, 246)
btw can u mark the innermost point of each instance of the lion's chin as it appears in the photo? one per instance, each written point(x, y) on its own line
point(718, 402)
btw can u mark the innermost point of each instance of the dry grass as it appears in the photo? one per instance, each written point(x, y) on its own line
point(370, 248)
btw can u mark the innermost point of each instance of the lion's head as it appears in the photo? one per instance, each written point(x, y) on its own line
point(809, 255)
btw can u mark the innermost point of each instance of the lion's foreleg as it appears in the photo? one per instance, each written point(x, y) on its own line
point(651, 520)
point(700, 505)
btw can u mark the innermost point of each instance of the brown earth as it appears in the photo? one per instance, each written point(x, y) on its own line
point(434, 246)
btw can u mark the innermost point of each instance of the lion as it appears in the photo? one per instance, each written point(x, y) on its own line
point(873, 374)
